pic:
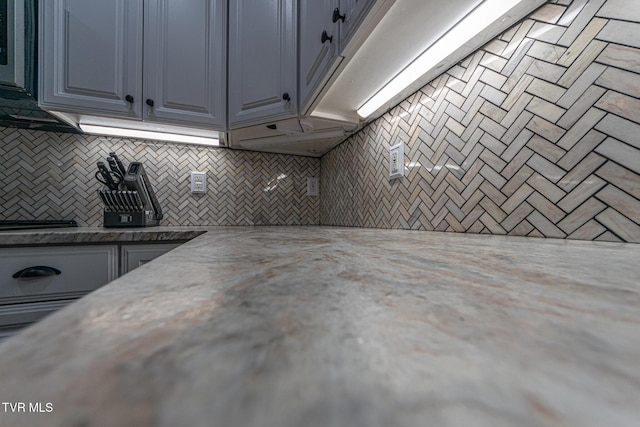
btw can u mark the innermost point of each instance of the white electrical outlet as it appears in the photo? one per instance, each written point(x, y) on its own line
point(198, 182)
point(313, 187)
point(396, 161)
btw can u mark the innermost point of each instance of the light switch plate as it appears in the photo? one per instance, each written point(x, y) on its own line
point(313, 187)
point(198, 182)
point(396, 161)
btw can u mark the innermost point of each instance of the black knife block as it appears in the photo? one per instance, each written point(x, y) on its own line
point(129, 219)
point(127, 209)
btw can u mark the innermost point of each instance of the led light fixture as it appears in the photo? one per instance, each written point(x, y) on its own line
point(467, 28)
point(146, 134)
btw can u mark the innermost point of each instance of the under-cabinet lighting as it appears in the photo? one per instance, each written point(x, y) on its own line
point(467, 28)
point(146, 134)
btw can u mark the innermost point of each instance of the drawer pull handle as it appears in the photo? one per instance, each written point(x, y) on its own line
point(37, 271)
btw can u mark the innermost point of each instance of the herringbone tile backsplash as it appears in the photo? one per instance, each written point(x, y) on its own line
point(536, 134)
point(46, 175)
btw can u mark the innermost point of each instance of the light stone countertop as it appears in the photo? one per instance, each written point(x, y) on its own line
point(322, 327)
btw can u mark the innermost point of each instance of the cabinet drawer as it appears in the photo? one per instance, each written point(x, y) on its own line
point(133, 256)
point(82, 269)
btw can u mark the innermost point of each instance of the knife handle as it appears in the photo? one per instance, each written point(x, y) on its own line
point(106, 175)
point(121, 167)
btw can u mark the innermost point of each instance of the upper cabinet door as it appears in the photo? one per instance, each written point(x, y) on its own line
point(319, 44)
point(262, 61)
point(91, 56)
point(351, 14)
point(185, 62)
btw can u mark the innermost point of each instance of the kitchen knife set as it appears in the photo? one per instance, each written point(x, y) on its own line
point(128, 198)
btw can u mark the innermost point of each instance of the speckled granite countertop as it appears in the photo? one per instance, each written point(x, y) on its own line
point(319, 327)
point(78, 235)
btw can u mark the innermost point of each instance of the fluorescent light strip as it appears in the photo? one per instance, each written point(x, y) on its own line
point(469, 27)
point(145, 134)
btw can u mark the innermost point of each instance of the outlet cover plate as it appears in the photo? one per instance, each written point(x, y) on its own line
point(198, 182)
point(396, 161)
point(313, 187)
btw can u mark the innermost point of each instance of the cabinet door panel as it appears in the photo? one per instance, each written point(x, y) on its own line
point(354, 11)
point(91, 56)
point(317, 59)
point(185, 61)
point(262, 60)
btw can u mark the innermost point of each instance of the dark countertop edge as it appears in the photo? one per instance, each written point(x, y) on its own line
point(97, 235)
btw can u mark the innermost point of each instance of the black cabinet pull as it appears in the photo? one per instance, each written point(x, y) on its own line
point(337, 17)
point(326, 37)
point(129, 99)
point(286, 96)
point(149, 102)
point(37, 271)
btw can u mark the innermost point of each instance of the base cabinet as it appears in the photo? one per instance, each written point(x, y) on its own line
point(134, 256)
point(37, 281)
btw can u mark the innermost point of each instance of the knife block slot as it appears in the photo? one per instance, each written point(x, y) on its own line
point(124, 208)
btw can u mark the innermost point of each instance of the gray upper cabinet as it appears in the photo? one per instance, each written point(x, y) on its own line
point(350, 15)
point(184, 61)
point(92, 59)
point(262, 61)
point(91, 56)
point(326, 27)
point(319, 46)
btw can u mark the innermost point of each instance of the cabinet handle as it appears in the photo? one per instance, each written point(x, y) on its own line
point(129, 99)
point(149, 102)
point(326, 37)
point(337, 17)
point(37, 271)
point(286, 97)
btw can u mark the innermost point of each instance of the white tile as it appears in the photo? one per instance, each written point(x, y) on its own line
point(621, 81)
point(550, 13)
point(545, 168)
point(620, 104)
point(545, 109)
point(546, 71)
point(584, 61)
point(546, 51)
point(581, 106)
point(620, 225)
point(578, 88)
point(545, 129)
point(546, 32)
point(628, 10)
point(580, 129)
point(578, 46)
point(621, 32)
point(572, 12)
point(546, 149)
point(625, 57)
point(544, 226)
point(581, 215)
point(579, 21)
point(620, 201)
point(621, 129)
point(621, 153)
point(582, 192)
point(621, 178)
